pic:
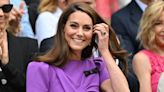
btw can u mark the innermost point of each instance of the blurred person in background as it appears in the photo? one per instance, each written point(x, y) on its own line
point(148, 64)
point(15, 54)
point(32, 6)
point(19, 23)
point(46, 23)
point(125, 23)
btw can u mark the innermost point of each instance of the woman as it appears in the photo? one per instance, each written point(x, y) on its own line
point(148, 63)
point(50, 11)
point(69, 65)
point(15, 54)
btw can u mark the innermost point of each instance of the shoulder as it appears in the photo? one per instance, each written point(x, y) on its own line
point(141, 60)
point(46, 44)
point(140, 56)
point(143, 55)
point(99, 62)
point(48, 39)
point(28, 43)
point(27, 40)
point(23, 41)
point(122, 11)
point(40, 66)
point(125, 11)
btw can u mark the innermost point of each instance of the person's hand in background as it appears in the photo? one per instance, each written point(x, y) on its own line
point(15, 18)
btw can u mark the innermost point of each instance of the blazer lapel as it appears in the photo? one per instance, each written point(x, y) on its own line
point(136, 13)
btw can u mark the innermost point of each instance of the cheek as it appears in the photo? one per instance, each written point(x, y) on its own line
point(89, 36)
point(67, 33)
point(6, 17)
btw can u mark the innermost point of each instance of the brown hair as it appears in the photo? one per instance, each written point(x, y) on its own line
point(59, 54)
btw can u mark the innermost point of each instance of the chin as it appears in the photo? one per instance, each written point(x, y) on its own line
point(77, 48)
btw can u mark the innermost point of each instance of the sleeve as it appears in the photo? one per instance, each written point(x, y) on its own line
point(37, 77)
point(46, 25)
point(104, 74)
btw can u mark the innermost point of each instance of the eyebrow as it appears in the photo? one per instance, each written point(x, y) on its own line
point(78, 23)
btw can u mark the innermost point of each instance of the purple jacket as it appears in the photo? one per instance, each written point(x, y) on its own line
point(42, 77)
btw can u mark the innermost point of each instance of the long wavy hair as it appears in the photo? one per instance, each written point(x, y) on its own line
point(58, 55)
point(146, 35)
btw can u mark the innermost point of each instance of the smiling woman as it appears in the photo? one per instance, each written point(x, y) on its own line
point(70, 66)
point(78, 33)
point(148, 64)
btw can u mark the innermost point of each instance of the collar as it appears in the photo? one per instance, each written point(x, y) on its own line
point(141, 5)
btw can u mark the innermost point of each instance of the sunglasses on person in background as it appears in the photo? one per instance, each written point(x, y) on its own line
point(6, 8)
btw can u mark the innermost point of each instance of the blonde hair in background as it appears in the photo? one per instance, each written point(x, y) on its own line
point(146, 35)
point(48, 5)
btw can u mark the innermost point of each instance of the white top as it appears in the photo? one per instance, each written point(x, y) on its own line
point(46, 24)
point(141, 5)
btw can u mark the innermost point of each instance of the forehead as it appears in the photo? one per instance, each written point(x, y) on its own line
point(2, 2)
point(162, 15)
point(79, 16)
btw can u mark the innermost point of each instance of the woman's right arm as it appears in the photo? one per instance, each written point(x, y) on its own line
point(142, 69)
point(37, 77)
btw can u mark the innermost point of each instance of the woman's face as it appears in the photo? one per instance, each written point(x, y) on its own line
point(4, 17)
point(78, 31)
point(159, 31)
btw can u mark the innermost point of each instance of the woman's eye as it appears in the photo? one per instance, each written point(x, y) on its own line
point(158, 23)
point(87, 28)
point(73, 26)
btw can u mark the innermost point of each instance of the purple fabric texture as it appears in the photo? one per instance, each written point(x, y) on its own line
point(42, 77)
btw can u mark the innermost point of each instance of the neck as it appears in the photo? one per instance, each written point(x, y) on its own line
point(75, 56)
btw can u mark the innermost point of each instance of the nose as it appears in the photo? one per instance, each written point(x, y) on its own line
point(80, 31)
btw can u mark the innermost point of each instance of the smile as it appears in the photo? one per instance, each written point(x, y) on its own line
point(78, 40)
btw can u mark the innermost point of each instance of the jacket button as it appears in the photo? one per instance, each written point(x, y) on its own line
point(3, 81)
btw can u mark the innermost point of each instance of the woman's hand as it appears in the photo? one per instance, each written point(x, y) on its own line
point(102, 30)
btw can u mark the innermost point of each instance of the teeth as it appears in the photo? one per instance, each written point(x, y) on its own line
point(78, 40)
